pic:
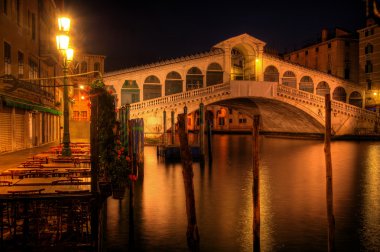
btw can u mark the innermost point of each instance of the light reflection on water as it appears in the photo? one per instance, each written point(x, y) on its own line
point(292, 195)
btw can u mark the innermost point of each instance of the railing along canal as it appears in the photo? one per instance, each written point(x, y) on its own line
point(337, 106)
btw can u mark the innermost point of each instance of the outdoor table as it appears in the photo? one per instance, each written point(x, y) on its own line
point(40, 181)
point(48, 189)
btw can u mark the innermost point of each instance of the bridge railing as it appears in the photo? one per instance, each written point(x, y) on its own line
point(196, 93)
point(320, 100)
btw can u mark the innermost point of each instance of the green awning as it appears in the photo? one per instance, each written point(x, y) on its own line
point(27, 105)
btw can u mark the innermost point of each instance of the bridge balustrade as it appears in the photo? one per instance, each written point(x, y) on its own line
point(320, 100)
point(281, 90)
point(181, 97)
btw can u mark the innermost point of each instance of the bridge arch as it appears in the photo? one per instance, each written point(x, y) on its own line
point(322, 88)
point(277, 116)
point(173, 83)
point(289, 79)
point(306, 84)
point(152, 88)
point(339, 94)
point(243, 64)
point(214, 74)
point(271, 74)
point(194, 79)
point(355, 99)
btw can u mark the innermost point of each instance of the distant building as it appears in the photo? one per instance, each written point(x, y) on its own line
point(335, 54)
point(29, 111)
point(369, 57)
point(94, 65)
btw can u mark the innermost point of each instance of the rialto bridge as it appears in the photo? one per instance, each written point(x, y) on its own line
point(237, 74)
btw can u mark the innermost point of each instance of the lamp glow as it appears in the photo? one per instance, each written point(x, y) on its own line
point(62, 42)
point(64, 24)
point(69, 54)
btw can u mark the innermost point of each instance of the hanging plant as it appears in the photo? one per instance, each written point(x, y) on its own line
point(113, 158)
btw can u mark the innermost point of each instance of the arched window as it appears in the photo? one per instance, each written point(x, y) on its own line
point(306, 84)
point(368, 49)
point(173, 83)
point(83, 67)
point(130, 92)
point(356, 99)
point(271, 74)
point(322, 88)
point(339, 94)
point(194, 79)
point(289, 79)
point(237, 64)
point(152, 88)
point(214, 74)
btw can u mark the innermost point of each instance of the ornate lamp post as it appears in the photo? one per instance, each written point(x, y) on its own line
point(68, 53)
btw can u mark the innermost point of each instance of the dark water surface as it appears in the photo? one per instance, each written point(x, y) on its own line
point(292, 194)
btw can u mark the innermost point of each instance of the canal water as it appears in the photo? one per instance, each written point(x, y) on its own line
point(293, 202)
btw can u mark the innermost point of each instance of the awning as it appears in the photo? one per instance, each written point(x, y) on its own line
point(27, 105)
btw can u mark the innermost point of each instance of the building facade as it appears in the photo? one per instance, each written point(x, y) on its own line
point(29, 110)
point(369, 64)
point(335, 54)
point(94, 66)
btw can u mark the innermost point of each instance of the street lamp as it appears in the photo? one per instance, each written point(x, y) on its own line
point(67, 53)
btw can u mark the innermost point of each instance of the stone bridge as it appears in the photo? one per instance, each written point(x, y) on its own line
point(289, 97)
point(283, 108)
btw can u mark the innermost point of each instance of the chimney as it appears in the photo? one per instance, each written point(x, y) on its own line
point(325, 33)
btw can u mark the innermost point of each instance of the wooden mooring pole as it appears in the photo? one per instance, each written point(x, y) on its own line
point(187, 172)
point(329, 176)
point(256, 183)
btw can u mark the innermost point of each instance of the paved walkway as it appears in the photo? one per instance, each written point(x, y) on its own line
point(14, 159)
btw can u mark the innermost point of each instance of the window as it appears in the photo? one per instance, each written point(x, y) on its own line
point(306, 52)
point(347, 43)
point(317, 49)
point(7, 58)
point(242, 120)
point(20, 58)
point(221, 121)
point(368, 49)
point(347, 73)
point(369, 84)
point(368, 67)
point(33, 69)
point(76, 115)
point(83, 115)
point(5, 7)
point(329, 45)
point(33, 26)
point(18, 12)
point(230, 120)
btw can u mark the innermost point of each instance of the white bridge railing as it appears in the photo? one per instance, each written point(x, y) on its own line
point(320, 100)
point(181, 97)
point(283, 91)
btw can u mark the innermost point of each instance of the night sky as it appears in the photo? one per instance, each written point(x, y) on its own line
point(131, 33)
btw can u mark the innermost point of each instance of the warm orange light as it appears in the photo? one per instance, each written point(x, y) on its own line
point(374, 93)
point(64, 24)
point(82, 97)
point(62, 42)
point(69, 54)
point(81, 87)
